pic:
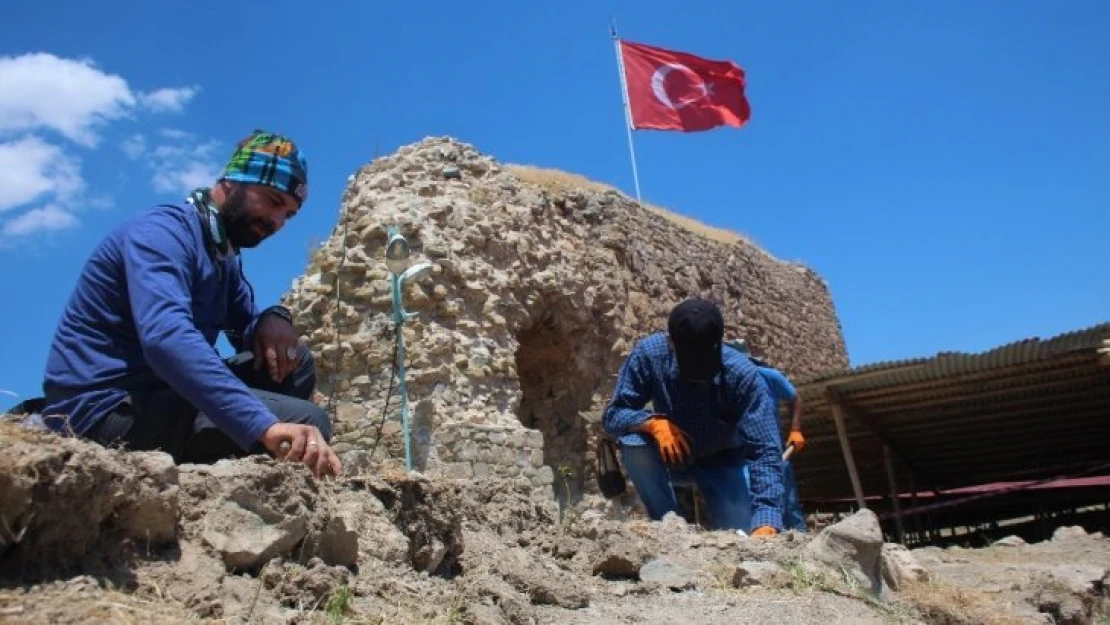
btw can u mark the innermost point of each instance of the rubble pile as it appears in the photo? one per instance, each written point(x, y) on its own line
point(89, 534)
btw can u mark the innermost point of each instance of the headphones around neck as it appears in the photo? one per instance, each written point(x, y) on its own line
point(211, 223)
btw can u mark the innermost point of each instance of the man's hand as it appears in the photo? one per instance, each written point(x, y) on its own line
point(764, 531)
point(304, 444)
point(674, 444)
point(274, 341)
point(796, 439)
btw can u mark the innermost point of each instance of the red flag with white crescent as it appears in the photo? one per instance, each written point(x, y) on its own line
point(670, 90)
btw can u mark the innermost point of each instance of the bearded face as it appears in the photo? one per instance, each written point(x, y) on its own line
point(252, 213)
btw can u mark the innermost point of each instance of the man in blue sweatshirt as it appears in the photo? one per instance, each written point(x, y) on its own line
point(711, 414)
point(783, 391)
point(133, 360)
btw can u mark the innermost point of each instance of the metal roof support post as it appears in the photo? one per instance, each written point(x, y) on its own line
point(846, 449)
point(869, 422)
point(918, 530)
point(899, 529)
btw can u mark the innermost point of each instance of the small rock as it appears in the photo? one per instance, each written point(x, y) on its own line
point(901, 567)
point(1079, 579)
point(245, 540)
point(151, 512)
point(758, 573)
point(545, 475)
point(1069, 533)
point(1009, 541)
point(1062, 607)
point(356, 462)
point(430, 556)
point(339, 539)
point(853, 544)
point(381, 540)
point(674, 525)
point(451, 172)
point(156, 466)
point(667, 574)
point(480, 614)
point(589, 524)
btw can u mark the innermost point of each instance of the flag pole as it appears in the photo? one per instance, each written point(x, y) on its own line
point(627, 108)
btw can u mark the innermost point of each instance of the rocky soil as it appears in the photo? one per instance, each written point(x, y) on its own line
point(89, 534)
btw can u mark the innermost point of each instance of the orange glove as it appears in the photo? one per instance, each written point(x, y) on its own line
point(764, 531)
point(674, 444)
point(796, 439)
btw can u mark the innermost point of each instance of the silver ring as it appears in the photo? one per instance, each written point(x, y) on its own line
point(311, 443)
point(291, 353)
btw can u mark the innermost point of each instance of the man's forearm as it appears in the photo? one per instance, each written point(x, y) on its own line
point(246, 337)
point(621, 421)
point(796, 419)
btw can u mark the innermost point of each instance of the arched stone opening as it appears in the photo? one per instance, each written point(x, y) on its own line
point(560, 364)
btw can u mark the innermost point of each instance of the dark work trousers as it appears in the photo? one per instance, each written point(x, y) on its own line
point(157, 418)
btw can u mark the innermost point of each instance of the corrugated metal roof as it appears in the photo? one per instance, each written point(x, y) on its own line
point(945, 364)
point(1034, 408)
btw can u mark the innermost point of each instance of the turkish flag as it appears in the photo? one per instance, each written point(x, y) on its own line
point(669, 90)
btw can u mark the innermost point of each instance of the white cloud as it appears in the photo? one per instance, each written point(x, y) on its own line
point(72, 97)
point(167, 99)
point(52, 109)
point(134, 146)
point(47, 218)
point(180, 162)
point(189, 176)
point(31, 168)
point(175, 134)
point(99, 202)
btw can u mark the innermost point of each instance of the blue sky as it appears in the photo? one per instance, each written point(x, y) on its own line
point(945, 166)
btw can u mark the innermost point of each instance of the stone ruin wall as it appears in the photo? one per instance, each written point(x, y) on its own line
point(537, 295)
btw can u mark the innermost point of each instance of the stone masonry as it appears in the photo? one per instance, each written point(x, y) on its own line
point(538, 292)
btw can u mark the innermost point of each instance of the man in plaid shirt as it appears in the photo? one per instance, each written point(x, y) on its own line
point(711, 414)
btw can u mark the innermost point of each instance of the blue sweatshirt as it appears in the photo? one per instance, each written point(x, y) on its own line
point(734, 413)
point(152, 299)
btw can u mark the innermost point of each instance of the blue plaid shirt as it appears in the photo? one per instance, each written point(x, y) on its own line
point(734, 412)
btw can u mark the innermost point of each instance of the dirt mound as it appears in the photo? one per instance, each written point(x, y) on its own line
point(1066, 578)
point(99, 535)
point(63, 499)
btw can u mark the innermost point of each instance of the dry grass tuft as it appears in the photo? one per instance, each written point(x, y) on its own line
point(13, 431)
point(948, 605)
point(555, 180)
point(99, 606)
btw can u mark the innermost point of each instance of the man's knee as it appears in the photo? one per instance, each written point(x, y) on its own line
point(322, 420)
point(300, 411)
point(641, 459)
point(304, 374)
point(311, 414)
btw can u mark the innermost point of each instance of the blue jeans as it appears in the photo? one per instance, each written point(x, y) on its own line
point(722, 480)
point(792, 517)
